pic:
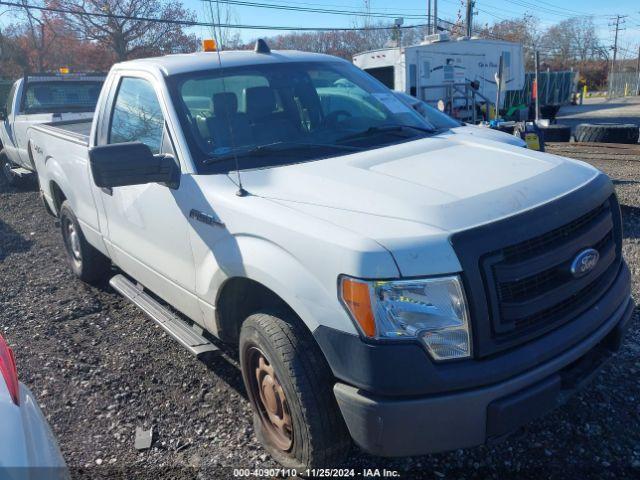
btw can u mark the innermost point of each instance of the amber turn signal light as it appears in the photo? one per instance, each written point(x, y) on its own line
point(357, 298)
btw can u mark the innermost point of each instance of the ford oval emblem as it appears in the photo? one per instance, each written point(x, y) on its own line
point(584, 262)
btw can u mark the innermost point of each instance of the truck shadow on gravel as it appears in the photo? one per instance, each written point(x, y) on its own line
point(26, 185)
point(12, 242)
point(226, 366)
point(630, 221)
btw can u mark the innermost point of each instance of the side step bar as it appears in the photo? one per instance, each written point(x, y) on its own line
point(191, 339)
point(21, 172)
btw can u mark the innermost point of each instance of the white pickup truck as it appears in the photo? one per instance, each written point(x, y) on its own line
point(411, 291)
point(42, 98)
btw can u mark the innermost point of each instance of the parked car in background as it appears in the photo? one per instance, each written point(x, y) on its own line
point(28, 448)
point(43, 98)
point(444, 122)
point(383, 282)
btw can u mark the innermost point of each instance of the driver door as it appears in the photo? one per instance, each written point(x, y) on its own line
point(148, 235)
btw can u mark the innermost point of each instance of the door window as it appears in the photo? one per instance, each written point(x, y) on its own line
point(9, 105)
point(137, 116)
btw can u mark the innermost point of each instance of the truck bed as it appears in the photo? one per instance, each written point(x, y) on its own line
point(76, 131)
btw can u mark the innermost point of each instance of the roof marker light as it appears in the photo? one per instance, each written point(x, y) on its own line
point(208, 45)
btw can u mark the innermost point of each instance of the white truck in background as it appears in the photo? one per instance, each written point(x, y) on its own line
point(442, 69)
point(384, 283)
point(42, 98)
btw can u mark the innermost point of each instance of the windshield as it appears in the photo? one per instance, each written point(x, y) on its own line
point(63, 96)
point(431, 114)
point(274, 114)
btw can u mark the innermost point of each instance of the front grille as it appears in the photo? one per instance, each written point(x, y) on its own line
point(543, 242)
point(517, 271)
point(546, 280)
point(530, 286)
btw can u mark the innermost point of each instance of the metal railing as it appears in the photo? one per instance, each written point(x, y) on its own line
point(461, 97)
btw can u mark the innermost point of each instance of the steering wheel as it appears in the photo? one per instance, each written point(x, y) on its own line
point(332, 118)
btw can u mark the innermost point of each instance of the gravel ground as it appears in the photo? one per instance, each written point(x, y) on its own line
point(100, 368)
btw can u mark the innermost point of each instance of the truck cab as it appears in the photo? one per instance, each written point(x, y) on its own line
point(383, 284)
point(42, 98)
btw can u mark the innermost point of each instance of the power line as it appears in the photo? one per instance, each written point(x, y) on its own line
point(272, 6)
point(193, 23)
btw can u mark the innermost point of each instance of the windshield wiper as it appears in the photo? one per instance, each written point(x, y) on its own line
point(275, 147)
point(385, 129)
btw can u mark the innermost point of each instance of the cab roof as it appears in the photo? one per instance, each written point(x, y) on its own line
point(190, 62)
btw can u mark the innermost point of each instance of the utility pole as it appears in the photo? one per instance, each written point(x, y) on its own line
point(638, 73)
point(470, 5)
point(429, 31)
point(537, 86)
point(435, 16)
point(619, 19)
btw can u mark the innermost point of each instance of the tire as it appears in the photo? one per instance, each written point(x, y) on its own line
point(87, 263)
point(556, 133)
point(607, 133)
point(297, 379)
point(9, 177)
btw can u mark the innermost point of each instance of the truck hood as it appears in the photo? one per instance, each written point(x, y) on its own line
point(410, 197)
point(487, 133)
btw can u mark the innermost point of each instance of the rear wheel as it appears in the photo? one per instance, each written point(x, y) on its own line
point(88, 264)
point(290, 387)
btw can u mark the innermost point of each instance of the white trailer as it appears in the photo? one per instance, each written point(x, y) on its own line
point(443, 69)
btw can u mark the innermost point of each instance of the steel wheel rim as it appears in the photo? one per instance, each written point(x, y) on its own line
point(72, 240)
point(268, 397)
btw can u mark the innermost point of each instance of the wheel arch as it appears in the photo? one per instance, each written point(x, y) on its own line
point(238, 298)
point(57, 196)
point(258, 274)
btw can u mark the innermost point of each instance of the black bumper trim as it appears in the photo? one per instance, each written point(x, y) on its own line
point(415, 426)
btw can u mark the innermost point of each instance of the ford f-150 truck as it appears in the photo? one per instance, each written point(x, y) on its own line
point(383, 283)
point(42, 98)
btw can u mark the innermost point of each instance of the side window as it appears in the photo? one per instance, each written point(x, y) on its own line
point(137, 116)
point(9, 105)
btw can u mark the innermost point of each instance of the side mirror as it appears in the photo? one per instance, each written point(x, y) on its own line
point(121, 164)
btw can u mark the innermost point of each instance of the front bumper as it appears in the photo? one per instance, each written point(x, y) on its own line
point(389, 426)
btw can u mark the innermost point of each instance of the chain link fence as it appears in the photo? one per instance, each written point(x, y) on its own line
point(622, 84)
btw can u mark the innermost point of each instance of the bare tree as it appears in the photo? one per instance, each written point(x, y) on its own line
point(573, 40)
point(222, 13)
point(127, 36)
point(524, 30)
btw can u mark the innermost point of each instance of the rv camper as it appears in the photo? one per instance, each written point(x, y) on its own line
point(460, 73)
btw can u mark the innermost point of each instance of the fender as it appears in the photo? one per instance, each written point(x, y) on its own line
point(51, 171)
point(269, 264)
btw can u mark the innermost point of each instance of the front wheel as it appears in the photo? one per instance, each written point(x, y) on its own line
point(290, 387)
point(11, 178)
point(87, 263)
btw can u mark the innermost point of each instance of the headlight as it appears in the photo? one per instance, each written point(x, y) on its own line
point(432, 310)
